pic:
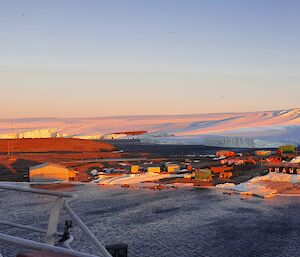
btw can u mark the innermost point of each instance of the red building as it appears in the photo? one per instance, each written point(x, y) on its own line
point(225, 154)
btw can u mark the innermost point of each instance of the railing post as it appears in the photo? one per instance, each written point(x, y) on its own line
point(53, 220)
point(87, 231)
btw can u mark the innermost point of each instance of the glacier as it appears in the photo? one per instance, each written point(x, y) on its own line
point(265, 129)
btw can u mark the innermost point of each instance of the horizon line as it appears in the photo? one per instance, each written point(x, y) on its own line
point(144, 115)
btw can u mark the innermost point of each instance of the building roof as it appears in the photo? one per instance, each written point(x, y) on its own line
point(296, 160)
point(56, 165)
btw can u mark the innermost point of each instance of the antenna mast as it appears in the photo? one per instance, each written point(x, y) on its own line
point(12, 139)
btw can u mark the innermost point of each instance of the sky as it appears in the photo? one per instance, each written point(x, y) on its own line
point(71, 58)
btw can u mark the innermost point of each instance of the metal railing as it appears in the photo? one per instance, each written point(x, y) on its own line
point(61, 201)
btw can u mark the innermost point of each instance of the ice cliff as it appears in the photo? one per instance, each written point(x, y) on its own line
point(253, 129)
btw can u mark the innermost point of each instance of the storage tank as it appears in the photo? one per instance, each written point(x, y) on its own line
point(223, 162)
point(134, 169)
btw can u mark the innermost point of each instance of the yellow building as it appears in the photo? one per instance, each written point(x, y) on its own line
point(153, 169)
point(263, 153)
point(173, 168)
point(50, 172)
point(134, 169)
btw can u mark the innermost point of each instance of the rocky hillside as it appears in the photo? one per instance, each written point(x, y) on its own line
point(53, 145)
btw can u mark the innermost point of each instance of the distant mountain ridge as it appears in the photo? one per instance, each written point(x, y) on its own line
point(270, 128)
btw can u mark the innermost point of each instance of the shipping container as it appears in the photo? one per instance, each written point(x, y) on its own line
point(153, 169)
point(263, 153)
point(226, 175)
point(189, 167)
point(220, 169)
point(203, 174)
point(173, 168)
point(187, 176)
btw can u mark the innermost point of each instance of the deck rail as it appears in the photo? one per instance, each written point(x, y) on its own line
point(61, 201)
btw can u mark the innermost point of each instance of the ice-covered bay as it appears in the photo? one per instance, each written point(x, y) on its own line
point(168, 223)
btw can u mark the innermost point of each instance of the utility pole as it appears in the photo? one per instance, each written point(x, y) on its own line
point(8, 146)
point(12, 140)
point(10, 151)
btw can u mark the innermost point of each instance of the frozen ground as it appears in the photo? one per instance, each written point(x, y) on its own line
point(171, 223)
